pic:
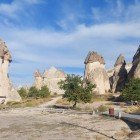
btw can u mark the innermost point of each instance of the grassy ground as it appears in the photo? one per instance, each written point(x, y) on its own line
point(25, 103)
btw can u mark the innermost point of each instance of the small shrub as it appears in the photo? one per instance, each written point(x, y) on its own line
point(55, 94)
point(44, 92)
point(33, 92)
point(22, 92)
point(102, 108)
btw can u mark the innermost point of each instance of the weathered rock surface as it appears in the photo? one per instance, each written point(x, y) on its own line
point(95, 72)
point(110, 72)
point(38, 79)
point(6, 88)
point(135, 70)
point(119, 77)
point(50, 78)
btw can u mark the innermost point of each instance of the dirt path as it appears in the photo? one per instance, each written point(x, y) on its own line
point(52, 102)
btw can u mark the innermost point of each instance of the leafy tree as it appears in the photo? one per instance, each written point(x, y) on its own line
point(23, 92)
point(75, 90)
point(33, 92)
point(44, 92)
point(131, 90)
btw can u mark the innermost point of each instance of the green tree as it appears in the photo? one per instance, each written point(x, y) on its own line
point(33, 92)
point(44, 92)
point(131, 90)
point(74, 89)
point(22, 92)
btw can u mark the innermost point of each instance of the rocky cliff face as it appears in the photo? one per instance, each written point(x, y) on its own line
point(95, 72)
point(119, 77)
point(6, 88)
point(135, 70)
point(50, 78)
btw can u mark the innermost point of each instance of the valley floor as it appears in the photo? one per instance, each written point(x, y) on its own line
point(39, 124)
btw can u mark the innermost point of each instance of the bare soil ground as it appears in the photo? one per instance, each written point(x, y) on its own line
point(37, 123)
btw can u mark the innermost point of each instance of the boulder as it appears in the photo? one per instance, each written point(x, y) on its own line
point(95, 72)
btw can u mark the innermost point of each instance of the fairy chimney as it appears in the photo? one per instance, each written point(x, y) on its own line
point(38, 79)
point(119, 77)
point(95, 72)
point(135, 70)
point(6, 88)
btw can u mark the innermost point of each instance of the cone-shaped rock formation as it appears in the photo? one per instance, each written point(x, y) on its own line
point(120, 74)
point(135, 70)
point(95, 72)
point(6, 89)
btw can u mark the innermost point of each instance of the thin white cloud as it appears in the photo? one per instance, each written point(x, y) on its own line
point(45, 47)
point(29, 45)
point(15, 7)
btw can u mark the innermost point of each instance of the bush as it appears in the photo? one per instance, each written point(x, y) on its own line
point(33, 92)
point(102, 108)
point(44, 92)
point(131, 91)
point(22, 92)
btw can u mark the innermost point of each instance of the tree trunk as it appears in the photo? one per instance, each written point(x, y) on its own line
point(75, 104)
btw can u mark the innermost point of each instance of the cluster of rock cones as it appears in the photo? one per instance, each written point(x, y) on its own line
point(114, 79)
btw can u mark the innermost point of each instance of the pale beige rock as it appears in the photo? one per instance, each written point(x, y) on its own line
point(38, 80)
point(119, 77)
point(95, 72)
point(6, 88)
point(51, 78)
point(110, 72)
point(135, 70)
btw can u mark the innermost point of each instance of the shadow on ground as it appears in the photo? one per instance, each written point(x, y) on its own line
point(131, 125)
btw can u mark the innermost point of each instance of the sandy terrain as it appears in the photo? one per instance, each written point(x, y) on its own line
point(39, 124)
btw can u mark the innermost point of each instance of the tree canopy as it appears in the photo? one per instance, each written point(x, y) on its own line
point(75, 90)
point(131, 90)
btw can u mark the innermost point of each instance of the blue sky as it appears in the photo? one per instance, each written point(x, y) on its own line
point(45, 33)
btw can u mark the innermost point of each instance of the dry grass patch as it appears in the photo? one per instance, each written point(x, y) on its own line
point(63, 102)
point(25, 103)
point(133, 110)
point(84, 107)
point(99, 98)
